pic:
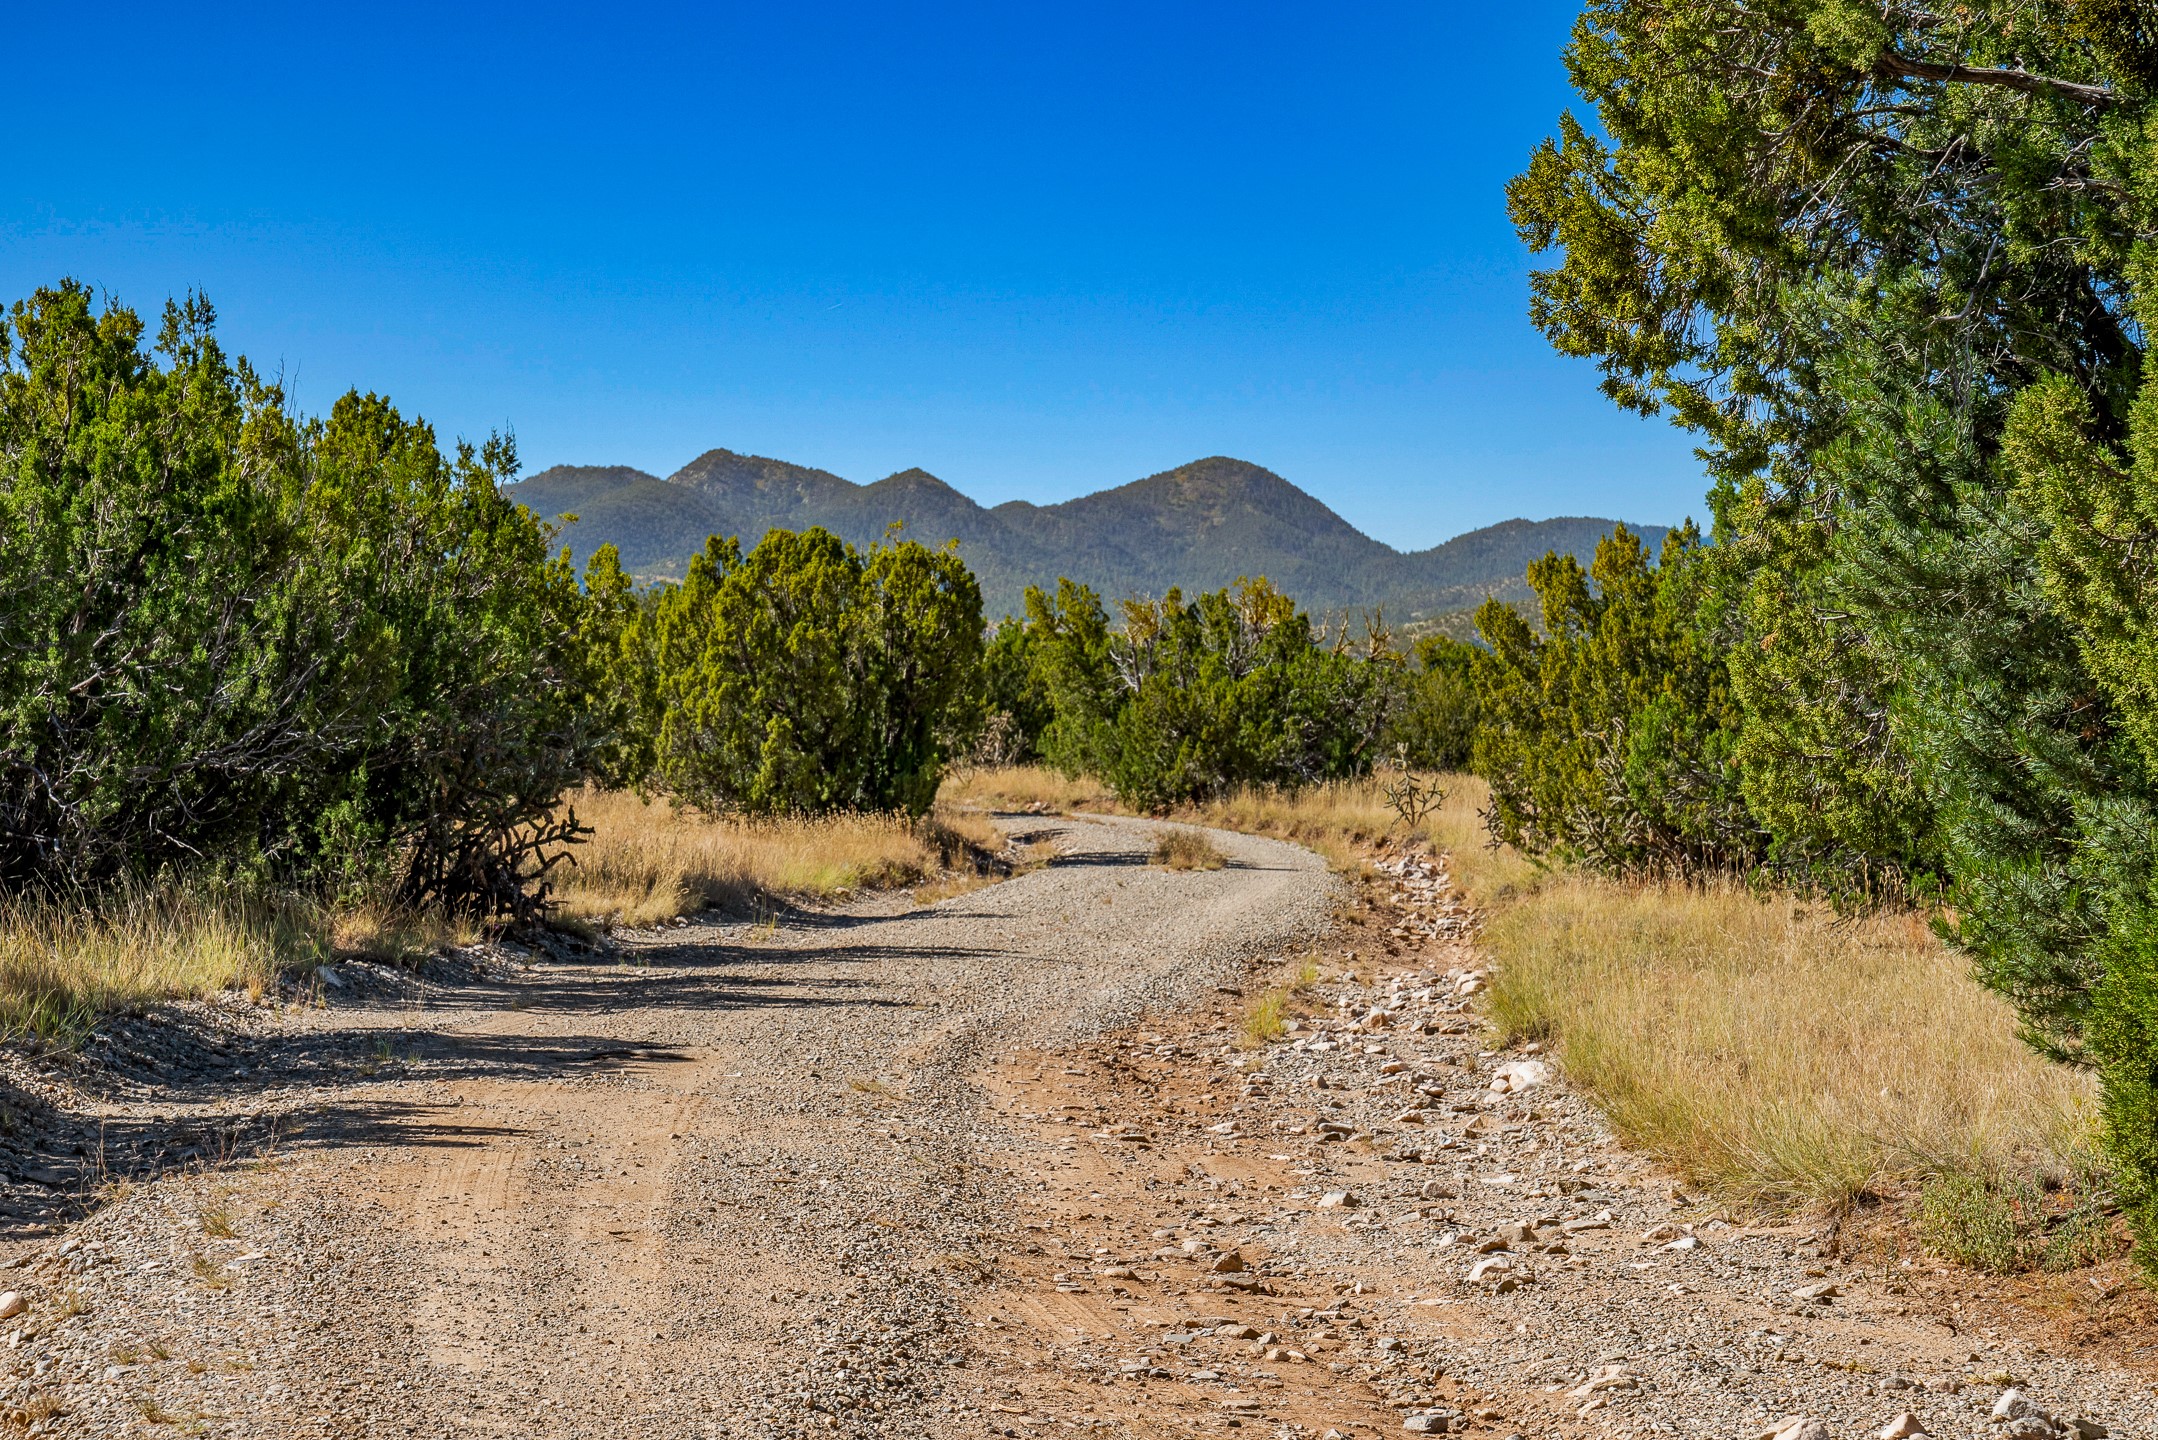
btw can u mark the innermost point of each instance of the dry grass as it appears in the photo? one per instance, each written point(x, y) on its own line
point(1268, 1017)
point(649, 862)
point(1341, 818)
point(63, 963)
point(1775, 1054)
point(1337, 819)
point(388, 932)
point(1179, 847)
point(1019, 787)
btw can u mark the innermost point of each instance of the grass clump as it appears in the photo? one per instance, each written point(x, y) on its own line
point(2007, 1224)
point(648, 862)
point(1181, 848)
point(1267, 1020)
point(66, 961)
point(1774, 1053)
point(1022, 787)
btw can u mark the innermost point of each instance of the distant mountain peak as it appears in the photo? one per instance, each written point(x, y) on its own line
point(915, 478)
point(1199, 525)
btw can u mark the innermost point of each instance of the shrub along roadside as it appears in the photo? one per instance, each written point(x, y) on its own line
point(807, 677)
point(291, 653)
point(1192, 699)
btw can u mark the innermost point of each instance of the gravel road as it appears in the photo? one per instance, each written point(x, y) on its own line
point(1005, 1165)
point(730, 1185)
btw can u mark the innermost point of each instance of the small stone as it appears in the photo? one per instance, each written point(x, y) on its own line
point(1657, 1234)
point(1826, 1289)
point(1228, 1262)
point(1607, 1377)
point(1803, 1427)
point(1684, 1242)
point(1337, 1200)
point(1516, 1076)
point(2014, 1405)
point(1422, 1424)
point(1903, 1427)
point(12, 1304)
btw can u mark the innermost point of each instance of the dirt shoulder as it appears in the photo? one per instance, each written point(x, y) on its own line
point(1375, 1224)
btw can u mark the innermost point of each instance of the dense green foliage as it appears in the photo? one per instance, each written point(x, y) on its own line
point(1435, 726)
point(1607, 737)
point(1016, 708)
point(1894, 265)
point(285, 648)
point(1190, 699)
point(807, 676)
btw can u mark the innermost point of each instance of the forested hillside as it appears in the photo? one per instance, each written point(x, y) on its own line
point(1204, 525)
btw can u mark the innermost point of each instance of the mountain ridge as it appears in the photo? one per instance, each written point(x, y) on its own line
point(1201, 525)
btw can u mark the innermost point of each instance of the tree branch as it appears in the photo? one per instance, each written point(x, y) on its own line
point(1902, 67)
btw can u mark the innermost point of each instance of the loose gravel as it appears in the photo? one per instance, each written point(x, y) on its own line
point(728, 1182)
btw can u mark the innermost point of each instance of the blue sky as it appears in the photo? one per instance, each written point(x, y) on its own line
point(1035, 250)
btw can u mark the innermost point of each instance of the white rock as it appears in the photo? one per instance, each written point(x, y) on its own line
point(1516, 1076)
point(1803, 1427)
point(1903, 1427)
point(12, 1304)
point(1684, 1242)
point(1607, 1377)
point(2014, 1405)
point(1422, 1424)
point(1337, 1200)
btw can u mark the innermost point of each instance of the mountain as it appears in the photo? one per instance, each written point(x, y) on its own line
point(1201, 526)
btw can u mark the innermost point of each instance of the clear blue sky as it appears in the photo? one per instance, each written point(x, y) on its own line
point(1036, 250)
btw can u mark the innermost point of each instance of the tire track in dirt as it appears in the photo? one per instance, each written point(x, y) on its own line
point(736, 1184)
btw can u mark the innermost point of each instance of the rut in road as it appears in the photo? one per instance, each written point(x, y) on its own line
point(733, 1185)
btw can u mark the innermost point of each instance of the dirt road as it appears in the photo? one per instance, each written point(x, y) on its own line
point(730, 1186)
point(1000, 1166)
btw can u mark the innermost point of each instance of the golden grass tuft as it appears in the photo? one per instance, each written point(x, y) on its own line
point(65, 962)
point(1179, 847)
point(651, 861)
point(1018, 787)
point(1775, 1054)
point(396, 934)
point(1267, 1018)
